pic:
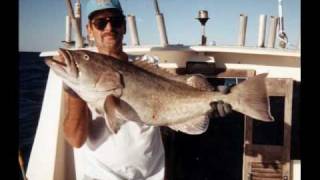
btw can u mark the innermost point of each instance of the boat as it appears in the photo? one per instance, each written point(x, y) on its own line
point(52, 158)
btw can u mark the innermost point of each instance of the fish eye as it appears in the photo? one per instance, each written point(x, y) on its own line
point(86, 57)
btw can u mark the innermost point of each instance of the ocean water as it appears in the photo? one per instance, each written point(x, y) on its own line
point(33, 74)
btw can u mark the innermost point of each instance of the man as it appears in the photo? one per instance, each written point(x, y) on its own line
point(136, 150)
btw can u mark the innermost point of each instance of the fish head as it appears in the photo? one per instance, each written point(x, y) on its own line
point(64, 65)
point(85, 70)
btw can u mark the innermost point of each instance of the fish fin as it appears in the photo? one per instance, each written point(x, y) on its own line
point(111, 116)
point(109, 80)
point(250, 97)
point(154, 68)
point(200, 82)
point(193, 126)
point(126, 112)
point(196, 81)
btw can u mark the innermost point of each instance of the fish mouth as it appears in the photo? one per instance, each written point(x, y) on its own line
point(60, 59)
point(63, 63)
point(56, 60)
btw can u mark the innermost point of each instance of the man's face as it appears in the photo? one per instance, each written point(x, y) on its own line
point(107, 28)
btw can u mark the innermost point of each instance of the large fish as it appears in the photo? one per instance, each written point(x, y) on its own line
point(142, 92)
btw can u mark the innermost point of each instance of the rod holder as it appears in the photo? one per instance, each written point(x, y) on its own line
point(262, 30)
point(242, 30)
point(162, 29)
point(68, 29)
point(77, 14)
point(272, 31)
point(79, 39)
point(133, 30)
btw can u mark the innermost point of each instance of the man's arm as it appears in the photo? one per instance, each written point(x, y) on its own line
point(76, 121)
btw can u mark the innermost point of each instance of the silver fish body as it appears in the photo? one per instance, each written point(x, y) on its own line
point(144, 93)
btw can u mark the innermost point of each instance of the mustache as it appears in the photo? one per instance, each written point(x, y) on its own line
point(109, 34)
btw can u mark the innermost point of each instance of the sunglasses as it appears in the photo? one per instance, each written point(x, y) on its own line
point(101, 23)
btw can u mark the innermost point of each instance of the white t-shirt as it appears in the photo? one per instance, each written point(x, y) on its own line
point(136, 152)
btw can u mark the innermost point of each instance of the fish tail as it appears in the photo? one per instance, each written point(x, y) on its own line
point(251, 98)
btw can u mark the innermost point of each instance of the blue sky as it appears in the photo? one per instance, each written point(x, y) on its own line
point(42, 22)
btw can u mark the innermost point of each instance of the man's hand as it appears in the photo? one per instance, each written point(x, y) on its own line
point(220, 108)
